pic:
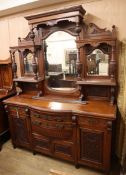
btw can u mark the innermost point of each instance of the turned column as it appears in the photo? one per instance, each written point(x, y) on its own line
point(34, 63)
point(113, 64)
point(14, 65)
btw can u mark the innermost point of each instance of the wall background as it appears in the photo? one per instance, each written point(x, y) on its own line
point(103, 13)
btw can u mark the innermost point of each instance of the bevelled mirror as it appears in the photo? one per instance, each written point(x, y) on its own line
point(61, 56)
point(28, 64)
point(97, 63)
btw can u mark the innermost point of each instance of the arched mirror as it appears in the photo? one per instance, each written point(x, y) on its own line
point(98, 63)
point(61, 56)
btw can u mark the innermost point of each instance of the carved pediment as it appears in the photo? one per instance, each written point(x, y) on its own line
point(93, 30)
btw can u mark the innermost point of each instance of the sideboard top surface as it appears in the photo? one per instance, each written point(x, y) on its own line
point(96, 108)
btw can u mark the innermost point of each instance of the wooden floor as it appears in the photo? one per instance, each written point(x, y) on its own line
point(21, 162)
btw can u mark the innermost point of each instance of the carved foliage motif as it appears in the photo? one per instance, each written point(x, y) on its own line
point(94, 29)
point(91, 145)
point(21, 130)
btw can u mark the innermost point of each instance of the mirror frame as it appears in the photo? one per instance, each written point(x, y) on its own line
point(74, 75)
point(76, 89)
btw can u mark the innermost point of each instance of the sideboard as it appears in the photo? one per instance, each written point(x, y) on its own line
point(80, 133)
point(71, 116)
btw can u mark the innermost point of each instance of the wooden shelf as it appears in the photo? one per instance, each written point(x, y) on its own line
point(28, 79)
point(97, 82)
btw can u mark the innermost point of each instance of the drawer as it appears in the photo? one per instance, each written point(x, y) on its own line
point(53, 129)
point(17, 111)
point(41, 143)
point(61, 117)
point(92, 122)
point(64, 150)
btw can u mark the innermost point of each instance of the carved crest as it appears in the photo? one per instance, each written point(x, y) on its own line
point(93, 30)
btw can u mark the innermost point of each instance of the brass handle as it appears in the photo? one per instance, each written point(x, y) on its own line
point(92, 121)
point(59, 126)
point(37, 115)
point(59, 120)
point(14, 108)
point(37, 123)
point(45, 117)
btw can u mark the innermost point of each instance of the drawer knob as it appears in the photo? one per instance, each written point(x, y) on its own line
point(5, 107)
point(59, 120)
point(36, 115)
point(27, 111)
point(109, 125)
point(59, 126)
point(37, 123)
point(74, 118)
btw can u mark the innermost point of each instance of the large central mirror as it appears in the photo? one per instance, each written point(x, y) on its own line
point(61, 56)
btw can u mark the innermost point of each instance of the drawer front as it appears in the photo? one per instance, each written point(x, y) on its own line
point(92, 122)
point(52, 129)
point(41, 143)
point(62, 117)
point(64, 150)
point(17, 111)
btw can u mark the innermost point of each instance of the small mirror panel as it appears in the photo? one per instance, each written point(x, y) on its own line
point(28, 64)
point(61, 56)
point(98, 63)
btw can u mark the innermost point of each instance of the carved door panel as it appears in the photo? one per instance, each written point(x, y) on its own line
point(41, 143)
point(20, 128)
point(20, 131)
point(91, 147)
point(64, 150)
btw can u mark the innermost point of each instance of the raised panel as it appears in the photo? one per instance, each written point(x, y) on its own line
point(53, 132)
point(41, 143)
point(52, 129)
point(91, 145)
point(61, 117)
point(92, 122)
point(64, 150)
point(20, 134)
point(17, 111)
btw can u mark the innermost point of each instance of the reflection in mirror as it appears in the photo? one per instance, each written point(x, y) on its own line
point(97, 63)
point(28, 64)
point(61, 56)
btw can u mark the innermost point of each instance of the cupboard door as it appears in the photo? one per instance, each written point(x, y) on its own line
point(20, 133)
point(94, 142)
point(19, 122)
point(91, 146)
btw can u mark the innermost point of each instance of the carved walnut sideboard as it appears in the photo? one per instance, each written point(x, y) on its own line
point(73, 120)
